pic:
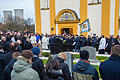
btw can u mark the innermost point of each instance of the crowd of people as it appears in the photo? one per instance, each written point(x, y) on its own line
point(20, 51)
point(58, 42)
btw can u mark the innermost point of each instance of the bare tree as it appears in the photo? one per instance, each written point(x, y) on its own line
point(19, 24)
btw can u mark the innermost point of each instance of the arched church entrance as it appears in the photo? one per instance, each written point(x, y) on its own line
point(67, 21)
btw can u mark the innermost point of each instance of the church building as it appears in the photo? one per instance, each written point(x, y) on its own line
point(77, 17)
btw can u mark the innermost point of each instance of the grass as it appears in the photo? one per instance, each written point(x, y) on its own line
point(76, 56)
point(44, 61)
point(102, 58)
point(46, 54)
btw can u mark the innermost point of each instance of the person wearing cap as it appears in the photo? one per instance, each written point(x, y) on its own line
point(65, 69)
point(37, 63)
point(83, 66)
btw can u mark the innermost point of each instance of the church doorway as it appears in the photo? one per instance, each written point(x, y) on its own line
point(67, 21)
point(66, 31)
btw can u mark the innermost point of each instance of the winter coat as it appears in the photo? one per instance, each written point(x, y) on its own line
point(109, 45)
point(78, 76)
point(65, 69)
point(2, 65)
point(54, 75)
point(57, 47)
point(84, 67)
point(8, 69)
point(38, 66)
point(27, 45)
point(22, 71)
point(110, 69)
point(94, 40)
point(77, 40)
point(117, 42)
point(7, 57)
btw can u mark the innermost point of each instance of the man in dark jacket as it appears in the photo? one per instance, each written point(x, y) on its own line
point(7, 57)
point(8, 69)
point(94, 40)
point(37, 64)
point(63, 66)
point(1, 61)
point(84, 67)
point(77, 43)
point(110, 69)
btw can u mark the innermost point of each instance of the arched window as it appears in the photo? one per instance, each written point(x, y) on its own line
point(67, 16)
point(44, 4)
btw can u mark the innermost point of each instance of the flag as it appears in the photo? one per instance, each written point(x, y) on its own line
point(85, 26)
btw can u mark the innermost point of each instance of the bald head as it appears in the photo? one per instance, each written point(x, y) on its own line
point(115, 50)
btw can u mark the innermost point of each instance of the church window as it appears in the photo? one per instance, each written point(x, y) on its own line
point(67, 16)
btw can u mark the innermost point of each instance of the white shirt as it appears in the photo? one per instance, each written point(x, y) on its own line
point(102, 44)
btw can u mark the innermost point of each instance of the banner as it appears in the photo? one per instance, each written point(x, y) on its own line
point(85, 26)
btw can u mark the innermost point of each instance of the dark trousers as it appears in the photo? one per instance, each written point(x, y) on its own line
point(101, 51)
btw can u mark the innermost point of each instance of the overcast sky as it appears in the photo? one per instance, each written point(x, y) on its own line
point(27, 5)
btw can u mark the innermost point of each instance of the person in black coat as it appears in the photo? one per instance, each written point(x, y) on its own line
point(8, 68)
point(63, 66)
point(5, 59)
point(77, 43)
point(51, 41)
point(37, 63)
point(117, 40)
point(110, 69)
point(1, 61)
point(5, 44)
point(109, 45)
point(53, 71)
point(94, 40)
point(57, 47)
point(8, 56)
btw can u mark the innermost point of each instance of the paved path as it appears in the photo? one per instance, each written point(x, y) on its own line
point(105, 55)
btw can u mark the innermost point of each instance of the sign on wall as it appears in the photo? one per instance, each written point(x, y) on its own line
point(85, 26)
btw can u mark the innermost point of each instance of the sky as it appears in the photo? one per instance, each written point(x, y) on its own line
point(27, 5)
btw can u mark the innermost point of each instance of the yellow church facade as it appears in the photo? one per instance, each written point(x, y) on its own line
point(66, 16)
